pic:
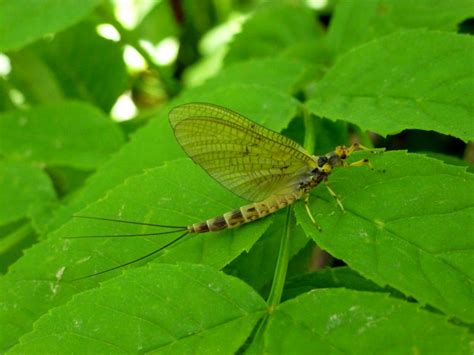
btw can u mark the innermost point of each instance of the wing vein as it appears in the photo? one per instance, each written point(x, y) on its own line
point(248, 159)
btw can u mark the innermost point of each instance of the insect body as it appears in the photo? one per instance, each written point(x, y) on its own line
point(250, 160)
point(255, 163)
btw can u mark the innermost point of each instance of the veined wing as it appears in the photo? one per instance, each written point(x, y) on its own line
point(248, 159)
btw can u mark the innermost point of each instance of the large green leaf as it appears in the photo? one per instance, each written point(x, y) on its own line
point(178, 193)
point(159, 308)
point(353, 24)
point(24, 21)
point(417, 79)
point(67, 133)
point(407, 224)
point(260, 37)
point(339, 321)
point(24, 188)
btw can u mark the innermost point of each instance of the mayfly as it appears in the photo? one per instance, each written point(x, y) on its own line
point(254, 162)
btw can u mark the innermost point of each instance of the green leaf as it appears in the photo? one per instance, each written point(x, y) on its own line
point(339, 321)
point(261, 38)
point(310, 51)
point(34, 78)
point(407, 224)
point(99, 78)
point(24, 188)
point(158, 308)
point(24, 21)
point(15, 237)
point(353, 25)
point(5, 100)
point(329, 278)
point(67, 180)
point(257, 266)
point(380, 87)
point(158, 24)
point(67, 133)
point(329, 133)
point(452, 160)
point(277, 73)
point(178, 193)
point(275, 112)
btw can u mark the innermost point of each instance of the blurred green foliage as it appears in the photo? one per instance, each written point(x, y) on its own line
point(396, 74)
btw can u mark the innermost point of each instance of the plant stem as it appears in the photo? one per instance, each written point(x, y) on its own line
point(278, 283)
point(309, 131)
point(281, 268)
point(16, 237)
point(283, 253)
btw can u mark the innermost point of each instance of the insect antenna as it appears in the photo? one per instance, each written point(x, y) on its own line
point(175, 229)
point(128, 222)
point(125, 235)
point(134, 260)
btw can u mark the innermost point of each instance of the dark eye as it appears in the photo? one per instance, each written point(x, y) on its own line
point(322, 161)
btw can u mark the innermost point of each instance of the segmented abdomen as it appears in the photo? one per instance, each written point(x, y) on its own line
point(245, 214)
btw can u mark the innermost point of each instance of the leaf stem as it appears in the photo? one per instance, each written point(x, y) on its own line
point(16, 237)
point(278, 283)
point(309, 131)
point(283, 253)
point(281, 266)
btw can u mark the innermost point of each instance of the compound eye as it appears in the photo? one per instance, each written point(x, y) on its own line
point(322, 160)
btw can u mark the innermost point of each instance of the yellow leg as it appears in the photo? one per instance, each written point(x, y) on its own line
point(357, 146)
point(362, 162)
point(333, 194)
point(306, 205)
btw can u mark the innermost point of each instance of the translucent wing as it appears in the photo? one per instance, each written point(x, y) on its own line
point(248, 159)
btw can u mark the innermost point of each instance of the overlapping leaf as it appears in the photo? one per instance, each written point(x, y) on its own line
point(261, 38)
point(339, 321)
point(178, 193)
point(380, 87)
point(142, 152)
point(69, 57)
point(353, 25)
point(24, 187)
point(277, 73)
point(159, 308)
point(405, 226)
point(334, 277)
point(68, 133)
point(38, 18)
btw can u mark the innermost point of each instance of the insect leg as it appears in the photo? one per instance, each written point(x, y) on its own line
point(362, 162)
point(333, 194)
point(358, 146)
point(308, 210)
